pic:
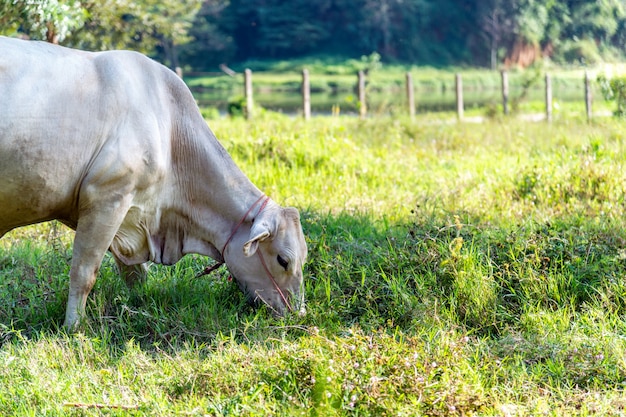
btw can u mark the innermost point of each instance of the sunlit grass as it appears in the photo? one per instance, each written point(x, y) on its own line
point(455, 269)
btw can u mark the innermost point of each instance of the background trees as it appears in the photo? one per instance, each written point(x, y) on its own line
point(150, 26)
point(203, 34)
point(50, 20)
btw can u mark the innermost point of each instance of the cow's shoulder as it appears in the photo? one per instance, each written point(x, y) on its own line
point(126, 71)
point(140, 80)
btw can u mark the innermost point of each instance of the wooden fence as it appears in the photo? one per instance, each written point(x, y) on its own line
point(410, 93)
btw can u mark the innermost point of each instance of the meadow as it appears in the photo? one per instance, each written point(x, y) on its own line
point(454, 269)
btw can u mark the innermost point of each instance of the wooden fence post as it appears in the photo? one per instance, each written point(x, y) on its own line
point(548, 98)
point(588, 97)
point(306, 95)
point(505, 92)
point(459, 96)
point(248, 93)
point(410, 94)
point(361, 92)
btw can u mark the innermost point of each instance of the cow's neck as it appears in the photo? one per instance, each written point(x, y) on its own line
point(215, 192)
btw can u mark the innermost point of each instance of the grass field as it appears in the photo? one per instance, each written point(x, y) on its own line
point(454, 269)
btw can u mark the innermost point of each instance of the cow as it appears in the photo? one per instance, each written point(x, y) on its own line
point(113, 145)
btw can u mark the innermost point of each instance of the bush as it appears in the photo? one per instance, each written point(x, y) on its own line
point(210, 113)
point(584, 51)
point(237, 106)
point(614, 89)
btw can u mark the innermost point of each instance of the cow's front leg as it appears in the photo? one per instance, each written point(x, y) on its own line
point(94, 234)
point(82, 278)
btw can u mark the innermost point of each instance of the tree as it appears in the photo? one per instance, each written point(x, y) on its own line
point(531, 20)
point(49, 20)
point(497, 24)
point(210, 42)
point(454, 33)
point(596, 19)
point(517, 26)
point(209, 32)
point(395, 28)
point(148, 26)
point(587, 28)
point(276, 28)
point(300, 31)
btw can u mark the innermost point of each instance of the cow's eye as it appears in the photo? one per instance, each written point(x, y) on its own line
point(282, 262)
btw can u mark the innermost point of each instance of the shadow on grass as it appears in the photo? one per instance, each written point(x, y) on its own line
point(446, 267)
point(435, 268)
point(171, 307)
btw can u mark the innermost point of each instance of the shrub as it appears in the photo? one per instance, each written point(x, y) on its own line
point(237, 106)
point(614, 89)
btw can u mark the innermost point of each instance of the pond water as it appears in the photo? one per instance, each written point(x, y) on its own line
point(382, 102)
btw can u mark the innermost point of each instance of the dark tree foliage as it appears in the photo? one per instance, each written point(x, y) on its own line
point(425, 32)
point(488, 33)
point(211, 42)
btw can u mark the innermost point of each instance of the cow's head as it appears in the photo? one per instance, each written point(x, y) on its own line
point(266, 258)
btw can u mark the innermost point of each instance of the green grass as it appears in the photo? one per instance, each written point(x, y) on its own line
point(455, 269)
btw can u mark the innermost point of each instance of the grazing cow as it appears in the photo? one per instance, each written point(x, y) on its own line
point(113, 145)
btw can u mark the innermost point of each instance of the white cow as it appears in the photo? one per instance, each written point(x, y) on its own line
point(113, 145)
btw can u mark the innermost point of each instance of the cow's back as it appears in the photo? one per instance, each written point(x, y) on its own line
point(68, 118)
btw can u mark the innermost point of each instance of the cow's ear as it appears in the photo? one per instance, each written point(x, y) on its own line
point(258, 234)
